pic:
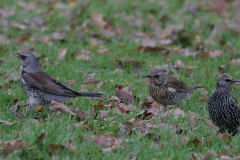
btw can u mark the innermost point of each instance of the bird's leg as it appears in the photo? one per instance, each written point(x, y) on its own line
point(30, 108)
point(183, 104)
point(165, 108)
point(27, 104)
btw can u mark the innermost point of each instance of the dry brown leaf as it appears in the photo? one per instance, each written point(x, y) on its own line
point(221, 5)
point(62, 54)
point(195, 141)
point(41, 137)
point(125, 94)
point(216, 53)
point(117, 110)
point(98, 20)
point(104, 113)
point(235, 61)
point(155, 137)
point(19, 26)
point(6, 122)
point(100, 85)
point(90, 81)
point(107, 143)
point(123, 107)
point(71, 82)
point(56, 106)
point(23, 38)
point(138, 123)
point(184, 139)
point(210, 123)
point(193, 122)
point(180, 64)
point(13, 146)
point(176, 112)
point(81, 116)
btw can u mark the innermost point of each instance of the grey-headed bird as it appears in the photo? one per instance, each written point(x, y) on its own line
point(168, 90)
point(40, 87)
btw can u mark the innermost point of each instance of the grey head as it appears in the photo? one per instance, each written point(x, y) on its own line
point(29, 62)
point(158, 77)
point(225, 81)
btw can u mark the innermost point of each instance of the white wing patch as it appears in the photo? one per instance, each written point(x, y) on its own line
point(170, 89)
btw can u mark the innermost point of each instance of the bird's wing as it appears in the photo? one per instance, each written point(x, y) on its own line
point(178, 86)
point(234, 103)
point(46, 83)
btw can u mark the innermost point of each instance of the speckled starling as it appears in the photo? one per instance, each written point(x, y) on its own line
point(168, 90)
point(223, 108)
point(40, 87)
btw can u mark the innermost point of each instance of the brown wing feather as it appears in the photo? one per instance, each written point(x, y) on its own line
point(46, 83)
point(179, 85)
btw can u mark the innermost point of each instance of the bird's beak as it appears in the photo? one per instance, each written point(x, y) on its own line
point(16, 54)
point(149, 76)
point(235, 80)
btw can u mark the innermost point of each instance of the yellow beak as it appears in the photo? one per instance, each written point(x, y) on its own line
point(16, 54)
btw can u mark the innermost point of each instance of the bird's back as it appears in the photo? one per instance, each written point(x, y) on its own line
point(223, 110)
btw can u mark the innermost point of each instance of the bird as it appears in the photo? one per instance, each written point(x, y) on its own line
point(40, 87)
point(223, 107)
point(168, 90)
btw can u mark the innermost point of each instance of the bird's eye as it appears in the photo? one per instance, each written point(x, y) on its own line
point(227, 80)
point(23, 57)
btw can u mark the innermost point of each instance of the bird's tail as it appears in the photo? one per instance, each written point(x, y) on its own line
point(196, 87)
point(90, 94)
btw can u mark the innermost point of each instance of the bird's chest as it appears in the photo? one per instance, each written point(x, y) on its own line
point(166, 95)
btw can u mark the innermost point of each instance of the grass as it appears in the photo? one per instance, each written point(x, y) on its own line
point(59, 16)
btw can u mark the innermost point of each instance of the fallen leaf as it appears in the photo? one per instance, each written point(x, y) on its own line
point(23, 38)
point(129, 63)
point(71, 82)
point(184, 139)
point(210, 123)
point(235, 61)
point(98, 20)
point(100, 85)
point(62, 54)
point(221, 5)
point(56, 106)
point(81, 116)
point(216, 53)
point(123, 107)
point(193, 122)
point(155, 137)
point(16, 101)
point(56, 36)
point(55, 147)
point(124, 94)
point(225, 136)
point(90, 81)
point(104, 113)
point(138, 123)
point(6, 122)
point(152, 49)
point(176, 112)
point(41, 137)
point(13, 146)
point(19, 26)
point(99, 106)
point(104, 142)
point(195, 141)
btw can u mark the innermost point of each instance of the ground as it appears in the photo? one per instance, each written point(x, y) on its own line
point(117, 42)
